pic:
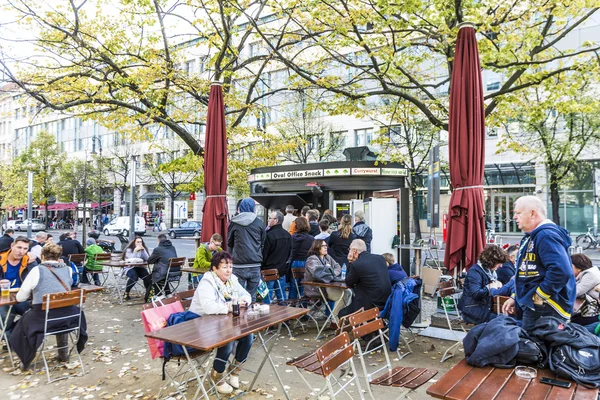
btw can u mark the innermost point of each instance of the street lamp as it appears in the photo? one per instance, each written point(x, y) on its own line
point(94, 139)
point(29, 202)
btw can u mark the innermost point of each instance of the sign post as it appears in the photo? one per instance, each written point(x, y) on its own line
point(132, 200)
point(596, 194)
point(29, 201)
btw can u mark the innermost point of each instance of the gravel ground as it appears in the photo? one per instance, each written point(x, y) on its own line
point(118, 363)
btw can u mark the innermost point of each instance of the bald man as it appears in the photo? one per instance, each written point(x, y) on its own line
point(544, 281)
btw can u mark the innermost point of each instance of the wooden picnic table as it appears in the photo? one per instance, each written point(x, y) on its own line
point(210, 332)
point(464, 382)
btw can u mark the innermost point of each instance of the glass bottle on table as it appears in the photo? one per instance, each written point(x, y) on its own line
point(235, 306)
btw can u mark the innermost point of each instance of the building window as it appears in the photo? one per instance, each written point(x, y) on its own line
point(491, 132)
point(363, 137)
point(190, 67)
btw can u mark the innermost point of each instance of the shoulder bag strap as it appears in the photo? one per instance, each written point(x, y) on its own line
point(60, 280)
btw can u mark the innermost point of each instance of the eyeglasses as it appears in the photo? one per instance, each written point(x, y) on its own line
point(323, 245)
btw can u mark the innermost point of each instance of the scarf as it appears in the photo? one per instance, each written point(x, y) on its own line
point(225, 288)
point(490, 273)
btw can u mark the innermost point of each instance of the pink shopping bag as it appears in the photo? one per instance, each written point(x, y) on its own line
point(155, 319)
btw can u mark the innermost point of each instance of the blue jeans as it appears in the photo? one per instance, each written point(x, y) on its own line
point(249, 278)
point(293, 290)
point(241, 352)
point(17, 309)
point(530, 316)
point(274, 292)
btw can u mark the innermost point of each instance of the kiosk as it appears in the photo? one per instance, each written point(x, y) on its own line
point(344, 187)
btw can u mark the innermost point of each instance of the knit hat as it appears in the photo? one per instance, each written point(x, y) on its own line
point(90, 242)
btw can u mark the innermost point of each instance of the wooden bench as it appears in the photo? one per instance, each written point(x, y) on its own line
point(464, 382)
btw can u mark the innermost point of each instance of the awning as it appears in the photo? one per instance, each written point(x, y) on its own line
point(104, 204)
point(152, 196)
point(62, 206)
point(280, 200)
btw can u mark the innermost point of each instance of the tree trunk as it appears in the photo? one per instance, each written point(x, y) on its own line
point(172, 198)
point(122, 195)
point(415, 212)
point(555, 199)
point(46, 211)
point(84, 226)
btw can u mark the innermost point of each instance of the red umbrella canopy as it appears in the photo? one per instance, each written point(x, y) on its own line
point(215, 213)
point(466, 223)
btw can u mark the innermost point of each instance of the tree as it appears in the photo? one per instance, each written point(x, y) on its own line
point(406, 136)
point(118, 168)
point(13, 187)
point(555, 123)
point(130, 70)
point(303, 127)
point(173, 170)
point(360, 50)
point(43, 157)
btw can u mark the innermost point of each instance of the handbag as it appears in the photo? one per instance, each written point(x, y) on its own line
point(590, 307)
point(156, 318)
point(324, 273)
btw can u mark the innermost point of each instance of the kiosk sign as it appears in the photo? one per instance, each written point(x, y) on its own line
point(365, 171)
point(307, 173)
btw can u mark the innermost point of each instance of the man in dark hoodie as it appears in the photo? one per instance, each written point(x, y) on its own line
point(160, 258)
point(545, 282)
point(313, 222)
point(246, 238)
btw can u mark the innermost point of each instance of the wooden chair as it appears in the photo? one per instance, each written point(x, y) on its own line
point(172, 279)
point(446, 290)
point(368, 323)
point(498, 302)
point(312, 303)
point(326, 360)
point(190, 264)
point(78, 259)
point(185, 297)
point(272, 275)
point(57, 325)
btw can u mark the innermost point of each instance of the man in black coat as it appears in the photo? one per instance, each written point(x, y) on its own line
point(6, 239)
point(160, 258)
point(276, 253)
point(368, 276)
point(69, 245)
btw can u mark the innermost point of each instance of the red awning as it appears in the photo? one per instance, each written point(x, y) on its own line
point(104, 204)
point(62, 206)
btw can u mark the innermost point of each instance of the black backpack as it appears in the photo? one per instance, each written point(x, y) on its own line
point(573, 352)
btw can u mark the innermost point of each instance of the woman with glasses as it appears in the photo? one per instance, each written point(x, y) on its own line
point(318, 262)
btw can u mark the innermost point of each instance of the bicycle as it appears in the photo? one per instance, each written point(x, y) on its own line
point(587, 240)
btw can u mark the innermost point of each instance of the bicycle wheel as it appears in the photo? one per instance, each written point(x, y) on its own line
point(584, 241)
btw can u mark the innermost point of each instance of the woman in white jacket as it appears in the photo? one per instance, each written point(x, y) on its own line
point(214, 295)
point(587, 278)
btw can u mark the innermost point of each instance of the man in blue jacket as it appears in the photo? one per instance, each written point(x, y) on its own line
point(544, 283)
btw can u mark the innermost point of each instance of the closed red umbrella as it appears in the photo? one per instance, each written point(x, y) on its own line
point(466, 223)
point(215, 214)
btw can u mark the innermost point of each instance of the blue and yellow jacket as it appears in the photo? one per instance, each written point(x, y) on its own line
point(544, 267)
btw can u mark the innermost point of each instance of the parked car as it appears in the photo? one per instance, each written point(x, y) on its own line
point(36, 225)
point(12, 224)
point(189, 228)
point(120, 225)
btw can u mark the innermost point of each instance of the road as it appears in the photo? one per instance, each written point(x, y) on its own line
point(186, 247)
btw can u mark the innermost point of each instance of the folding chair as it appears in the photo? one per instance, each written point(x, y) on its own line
point(312, 303)
point(498, 302)
point(56, 325)
point(369, 323)
point(186, 370)
point(272, 275)
point(172, 279)
point(448, 290)
point(79, 260)
point(185, 297)
point(326, 360)
point(99, 259)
